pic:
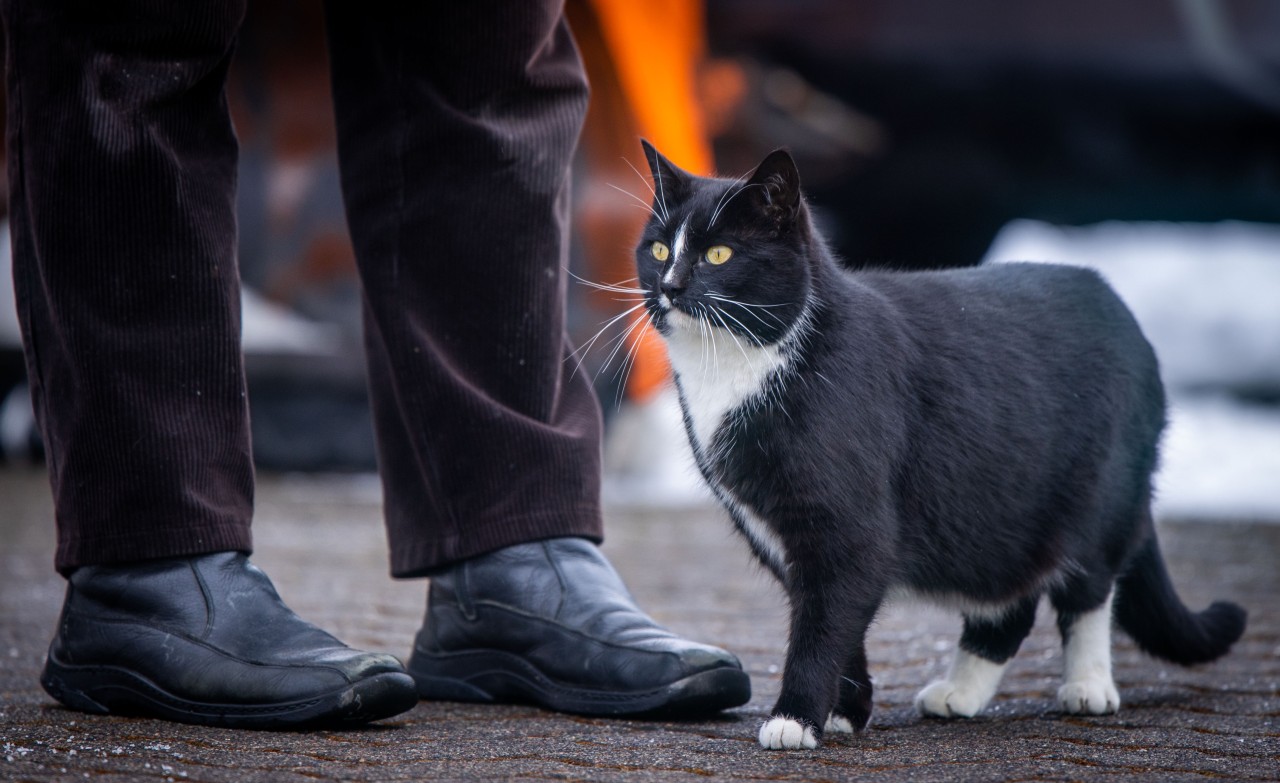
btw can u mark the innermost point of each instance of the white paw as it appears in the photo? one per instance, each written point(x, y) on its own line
point(947, 699)
point(838, 724)
point(1089, 697)
point(781, 733)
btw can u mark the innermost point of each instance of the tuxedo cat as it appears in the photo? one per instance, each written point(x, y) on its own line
point(977, 438)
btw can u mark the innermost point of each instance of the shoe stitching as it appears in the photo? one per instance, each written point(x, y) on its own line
point(560, 578)
point(462, 591)
point(205, 594)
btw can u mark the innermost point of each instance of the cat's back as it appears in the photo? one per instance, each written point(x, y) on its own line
point(1043, 309)
point(1010, 289)
point(1019, 347)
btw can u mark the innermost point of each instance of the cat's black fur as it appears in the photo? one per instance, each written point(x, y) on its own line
point(984, 436)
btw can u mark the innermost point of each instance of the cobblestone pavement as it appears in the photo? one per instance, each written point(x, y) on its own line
point(322, 541)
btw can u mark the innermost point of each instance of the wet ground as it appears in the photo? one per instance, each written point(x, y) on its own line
point(321, 540)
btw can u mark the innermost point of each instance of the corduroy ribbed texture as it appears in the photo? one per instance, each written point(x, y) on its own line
point(457, 123)
point(122, 176)
point(456, 128)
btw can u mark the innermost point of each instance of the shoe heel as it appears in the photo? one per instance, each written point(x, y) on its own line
point(69, 696)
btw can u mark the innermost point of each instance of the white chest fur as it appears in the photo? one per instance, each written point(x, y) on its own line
point(718, 373)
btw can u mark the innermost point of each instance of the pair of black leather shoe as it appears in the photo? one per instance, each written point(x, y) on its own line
point(207, 640)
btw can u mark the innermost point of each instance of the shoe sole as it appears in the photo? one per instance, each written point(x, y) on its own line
point(492, 676)
point(109, 690)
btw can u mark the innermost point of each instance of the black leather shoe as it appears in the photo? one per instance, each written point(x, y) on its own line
point(207, 640)
point(551, 623)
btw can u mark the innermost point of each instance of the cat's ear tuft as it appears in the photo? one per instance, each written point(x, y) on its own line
point(775, 188)
point(670, 182)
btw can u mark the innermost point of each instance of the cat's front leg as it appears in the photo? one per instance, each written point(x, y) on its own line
point(811, 699)
point(799, 717)
point(808, 694)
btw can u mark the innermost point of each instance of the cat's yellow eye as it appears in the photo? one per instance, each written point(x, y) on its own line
point(660, 251)
point(718, 254)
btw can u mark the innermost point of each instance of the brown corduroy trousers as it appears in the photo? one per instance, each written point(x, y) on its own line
point(456, 125)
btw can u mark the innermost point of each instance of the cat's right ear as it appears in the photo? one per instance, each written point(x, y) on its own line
point(670, 182)
point(775, 189)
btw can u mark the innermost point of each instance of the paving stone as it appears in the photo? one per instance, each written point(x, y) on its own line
point(321, 540)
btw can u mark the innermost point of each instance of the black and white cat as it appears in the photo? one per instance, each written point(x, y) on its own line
point(977, 438)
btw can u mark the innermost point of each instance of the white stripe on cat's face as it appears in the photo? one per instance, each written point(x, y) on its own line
point(677, 250)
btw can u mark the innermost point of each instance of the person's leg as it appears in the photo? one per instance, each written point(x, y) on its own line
point(457, 123)
point(122, 168)
point(122, 172)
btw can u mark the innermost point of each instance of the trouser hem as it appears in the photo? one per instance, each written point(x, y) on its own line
point(421, 558)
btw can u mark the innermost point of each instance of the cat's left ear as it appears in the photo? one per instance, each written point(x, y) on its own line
point(775, 188)
point(670, 182)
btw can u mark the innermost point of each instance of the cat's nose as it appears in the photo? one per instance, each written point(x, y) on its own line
point(672, 288)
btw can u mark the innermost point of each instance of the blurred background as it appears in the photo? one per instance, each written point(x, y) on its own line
point(1141, 138)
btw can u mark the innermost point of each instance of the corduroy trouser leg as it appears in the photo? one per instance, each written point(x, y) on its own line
point(457, 123)
point(455, 137)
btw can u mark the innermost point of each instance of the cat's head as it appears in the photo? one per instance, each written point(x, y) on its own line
point(726, 254)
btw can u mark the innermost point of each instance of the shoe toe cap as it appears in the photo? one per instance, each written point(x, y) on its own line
point(370, 664)
point(354, 665)
point(701, 657)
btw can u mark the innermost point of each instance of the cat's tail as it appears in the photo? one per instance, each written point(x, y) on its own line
point(1149, 610)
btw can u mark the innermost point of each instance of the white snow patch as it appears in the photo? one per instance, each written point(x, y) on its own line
point(1220, 459)
point(1208, 297)
point(1207, 294)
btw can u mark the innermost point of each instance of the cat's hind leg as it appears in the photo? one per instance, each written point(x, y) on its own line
point(986, 645)
point(1087, 686)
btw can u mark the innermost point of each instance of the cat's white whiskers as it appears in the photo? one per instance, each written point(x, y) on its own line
point(617, 288)
point(624, 369)
point(639, 201)
point(721, 203)
point(645, 181)
point(716, 212)
point(748, 333)
point(659, 197)
point(710, 333)
point(715, 347)
point(719, 316)
point(752, 308)
point(581, 353)
point(708, 345)
point(620, 341)
point(749, 309)
point(613, 344)
point(716, 215)
point(723, 298)
point(607, 324)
